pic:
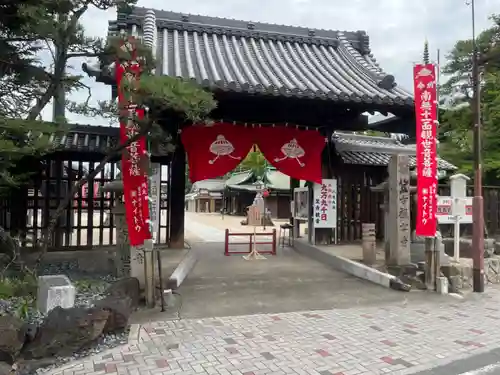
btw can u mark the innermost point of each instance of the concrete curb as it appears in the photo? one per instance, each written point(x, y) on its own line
point(348, 266)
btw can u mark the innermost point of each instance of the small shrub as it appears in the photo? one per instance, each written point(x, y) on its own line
point(7, 288)
point(20, 285)
point(89, 285)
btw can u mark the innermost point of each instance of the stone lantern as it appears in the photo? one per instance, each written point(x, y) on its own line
point(122, 255)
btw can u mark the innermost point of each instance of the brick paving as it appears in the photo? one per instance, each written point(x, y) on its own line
point(394, 338)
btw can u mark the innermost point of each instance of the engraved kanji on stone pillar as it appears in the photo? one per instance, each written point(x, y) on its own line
point(399, 212)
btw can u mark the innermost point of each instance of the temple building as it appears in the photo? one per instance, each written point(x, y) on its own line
point(267, 75)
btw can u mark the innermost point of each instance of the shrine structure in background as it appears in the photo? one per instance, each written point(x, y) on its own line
point(268, 80)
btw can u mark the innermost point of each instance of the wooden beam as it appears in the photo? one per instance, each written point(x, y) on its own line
point(176, 203)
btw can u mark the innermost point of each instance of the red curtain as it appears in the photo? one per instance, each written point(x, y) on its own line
point(212, 151)
point(294, 152)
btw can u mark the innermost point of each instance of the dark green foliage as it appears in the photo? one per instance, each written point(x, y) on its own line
point(456, 122)
point(255, 162)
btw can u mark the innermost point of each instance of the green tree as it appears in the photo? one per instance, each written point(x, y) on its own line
point(162, 94)
point(28, 84)
point(456, 122)
point(255, 162)
point(21, 78)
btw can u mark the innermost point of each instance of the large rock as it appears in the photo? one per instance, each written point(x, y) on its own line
point(497, 248)
point(12, 337)
point(5, 368)
point(119, 309)
point(417, 252)
point(459, 276)
point(126, 287)
point(30, 367)
point(466, 247)
point(451, 270)
point(65, 331)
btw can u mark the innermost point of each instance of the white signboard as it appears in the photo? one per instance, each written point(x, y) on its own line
point(445, 211)
point(154, 195)
point(325, 204)
point(254, 216)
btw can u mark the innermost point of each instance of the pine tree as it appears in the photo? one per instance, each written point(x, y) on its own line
point(26, 86)
point(162, 94)
point(456, 118)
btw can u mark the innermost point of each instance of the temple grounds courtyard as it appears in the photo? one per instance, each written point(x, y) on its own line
point(289, 314)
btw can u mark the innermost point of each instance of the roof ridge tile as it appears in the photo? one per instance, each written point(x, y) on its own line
point(269, 59)
point(233, 23)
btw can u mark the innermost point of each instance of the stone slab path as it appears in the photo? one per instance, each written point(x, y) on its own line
point(400, 338)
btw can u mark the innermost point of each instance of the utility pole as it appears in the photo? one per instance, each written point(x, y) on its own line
point(477, 203)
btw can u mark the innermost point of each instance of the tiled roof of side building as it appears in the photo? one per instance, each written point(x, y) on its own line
point(92, 139)
point(376, 151)
point(210, 185)
point(239, 56)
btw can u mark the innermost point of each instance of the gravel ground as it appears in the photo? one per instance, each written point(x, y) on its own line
point(90, 287)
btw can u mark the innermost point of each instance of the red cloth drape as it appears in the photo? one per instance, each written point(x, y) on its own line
point(294, 152)
point(214, 150)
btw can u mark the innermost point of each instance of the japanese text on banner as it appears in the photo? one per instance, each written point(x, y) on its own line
point(424, 76)
point(135, 183)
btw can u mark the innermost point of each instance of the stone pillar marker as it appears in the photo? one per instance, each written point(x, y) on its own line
point(399, 212)
point(129, 260)
point(369, 244)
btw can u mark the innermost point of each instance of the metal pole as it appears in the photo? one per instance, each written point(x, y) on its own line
point(477, 214)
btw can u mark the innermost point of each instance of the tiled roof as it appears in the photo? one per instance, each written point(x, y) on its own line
point(238, 178)
point(85, 138)
point(375, 151)
point(91, 139)
point(239, 56)
point(213, 184)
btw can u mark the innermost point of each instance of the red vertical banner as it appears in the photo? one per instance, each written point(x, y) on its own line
point(134, 173)
point(424, 77)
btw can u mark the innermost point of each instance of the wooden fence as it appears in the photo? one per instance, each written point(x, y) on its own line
point(357, 204)
point(87, 221)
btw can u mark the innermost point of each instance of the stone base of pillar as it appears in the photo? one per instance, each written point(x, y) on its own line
point(369, 244)
point(142, 267)
point(137, 265)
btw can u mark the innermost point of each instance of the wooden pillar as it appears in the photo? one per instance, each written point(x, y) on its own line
point(176, 197)
point(294, 183)
point(18, 211)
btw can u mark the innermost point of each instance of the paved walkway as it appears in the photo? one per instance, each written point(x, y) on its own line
point(396, 339)
point(377, 331)
point(211, 228)
point(206, 233)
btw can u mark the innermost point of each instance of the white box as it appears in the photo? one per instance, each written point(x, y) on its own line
point(53, 291)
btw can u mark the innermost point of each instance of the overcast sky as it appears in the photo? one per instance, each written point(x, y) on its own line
point(397, 28)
